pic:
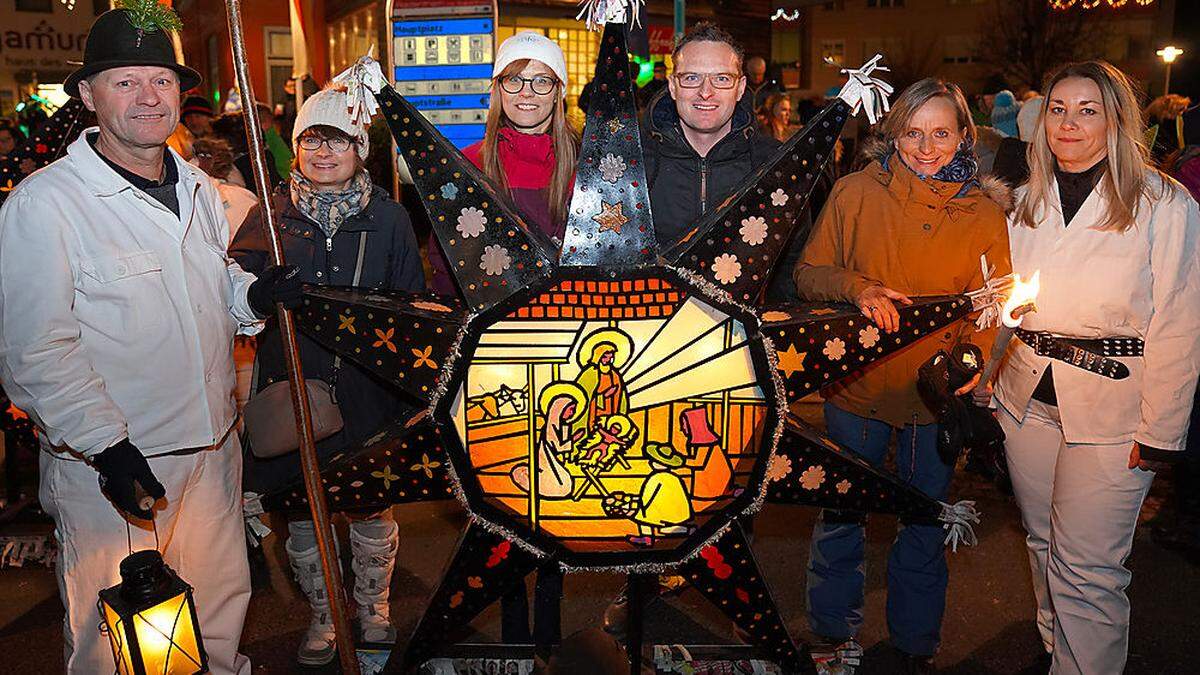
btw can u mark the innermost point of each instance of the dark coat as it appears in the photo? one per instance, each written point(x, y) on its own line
point(684, 186)
point(391, 261)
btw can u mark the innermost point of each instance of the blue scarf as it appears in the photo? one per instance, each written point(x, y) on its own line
point(963, 168)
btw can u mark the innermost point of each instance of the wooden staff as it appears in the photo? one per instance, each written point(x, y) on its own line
point(291, 352)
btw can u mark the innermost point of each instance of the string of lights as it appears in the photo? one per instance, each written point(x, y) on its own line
point(1093, 4)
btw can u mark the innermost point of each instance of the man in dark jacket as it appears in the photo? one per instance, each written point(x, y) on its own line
point(701, 143)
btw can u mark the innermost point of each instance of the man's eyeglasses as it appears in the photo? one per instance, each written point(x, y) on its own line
point(336, 144)
point(540, 84)
point(717, 80)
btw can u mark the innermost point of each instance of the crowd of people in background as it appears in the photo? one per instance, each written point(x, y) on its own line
point(707, 125)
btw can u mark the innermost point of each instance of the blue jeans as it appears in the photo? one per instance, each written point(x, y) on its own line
point(916, 572)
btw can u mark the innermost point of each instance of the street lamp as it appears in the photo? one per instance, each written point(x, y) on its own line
point(1168, 55)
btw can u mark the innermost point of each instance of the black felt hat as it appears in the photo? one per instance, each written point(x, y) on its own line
point(114, 41)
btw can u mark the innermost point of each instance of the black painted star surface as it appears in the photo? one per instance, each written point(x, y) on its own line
point(45, 144)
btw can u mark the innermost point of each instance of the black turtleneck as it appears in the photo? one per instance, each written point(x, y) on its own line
point(162, 190)
point(1074, 188)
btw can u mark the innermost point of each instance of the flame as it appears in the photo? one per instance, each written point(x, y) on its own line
point(1022, 293)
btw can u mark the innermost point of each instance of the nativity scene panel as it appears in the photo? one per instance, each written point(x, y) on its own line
point(634, 401)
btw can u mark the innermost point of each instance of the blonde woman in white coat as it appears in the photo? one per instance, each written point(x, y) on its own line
point(1115, 242)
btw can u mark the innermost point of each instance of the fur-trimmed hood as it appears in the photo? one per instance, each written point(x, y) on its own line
point(875, 148)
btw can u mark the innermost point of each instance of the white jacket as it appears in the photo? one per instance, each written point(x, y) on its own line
point(1142, 283)
point(116, 317)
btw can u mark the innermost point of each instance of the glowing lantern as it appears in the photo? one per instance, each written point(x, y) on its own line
point(150, 618)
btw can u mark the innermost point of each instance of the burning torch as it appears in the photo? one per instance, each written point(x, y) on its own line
point(1021, 301)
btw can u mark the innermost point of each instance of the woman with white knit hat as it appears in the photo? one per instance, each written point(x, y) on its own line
point(340, 230)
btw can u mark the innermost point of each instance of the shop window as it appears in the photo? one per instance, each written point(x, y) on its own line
point(350, 37)
point(833, 53)
point(960, 49)
point(278, 43)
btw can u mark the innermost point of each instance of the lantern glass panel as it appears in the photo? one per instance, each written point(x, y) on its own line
point(166, 637)
point(116, 637)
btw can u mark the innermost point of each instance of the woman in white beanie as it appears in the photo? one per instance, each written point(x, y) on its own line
point(340, 230)
point(529, 148)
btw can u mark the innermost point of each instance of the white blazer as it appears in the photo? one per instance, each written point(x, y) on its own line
point(1142, 283)
point(117, 318)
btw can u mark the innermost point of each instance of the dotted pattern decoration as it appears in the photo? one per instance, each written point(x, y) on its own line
point(489, 248)
point(817, 344)
point(47, 143)
point(484, 566)
point(404, 338)
point(809, 469)
point(405, 462)
point(737, 244)
point(609, 222)
point(727, 574)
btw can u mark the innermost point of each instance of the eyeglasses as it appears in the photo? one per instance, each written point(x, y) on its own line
point(717, 80)
point(540, 84)
point(335, 144)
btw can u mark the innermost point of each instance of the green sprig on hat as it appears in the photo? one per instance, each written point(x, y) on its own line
point(150, 15)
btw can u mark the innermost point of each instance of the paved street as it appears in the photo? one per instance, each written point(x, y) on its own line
point(988, 626)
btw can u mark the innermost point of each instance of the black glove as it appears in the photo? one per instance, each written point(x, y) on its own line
point(121, 468)
point(937, 380)
point(275, 284)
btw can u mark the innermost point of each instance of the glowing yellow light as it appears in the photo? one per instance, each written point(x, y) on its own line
point(149, 634)
point(1023, 293)
point(1169, 53)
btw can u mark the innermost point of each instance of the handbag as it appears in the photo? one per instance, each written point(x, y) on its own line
point(270, 418)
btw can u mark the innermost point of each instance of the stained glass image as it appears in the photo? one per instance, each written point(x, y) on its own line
point(636, 403)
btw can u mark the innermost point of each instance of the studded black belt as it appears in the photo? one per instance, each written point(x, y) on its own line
point(1094, 355)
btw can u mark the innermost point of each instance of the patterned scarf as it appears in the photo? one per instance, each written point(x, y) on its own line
point(961, 169)
point(330, 208)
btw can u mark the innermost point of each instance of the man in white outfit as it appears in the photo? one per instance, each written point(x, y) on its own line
point(118, 308)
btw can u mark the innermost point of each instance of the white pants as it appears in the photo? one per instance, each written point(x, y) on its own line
point(200, 534)
point(1079, 504)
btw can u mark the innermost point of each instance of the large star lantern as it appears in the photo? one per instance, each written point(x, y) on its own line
point(613, 404)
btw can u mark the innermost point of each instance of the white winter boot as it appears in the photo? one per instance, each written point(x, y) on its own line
point(373, 544)
point(318, 646)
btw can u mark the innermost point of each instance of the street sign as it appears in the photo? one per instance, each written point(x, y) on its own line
point(441, 56)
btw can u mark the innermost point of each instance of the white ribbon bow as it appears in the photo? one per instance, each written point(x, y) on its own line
point(361, 82)
point(864, 92)
point(991, 297)
point(958, 518)
point(599, 12)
